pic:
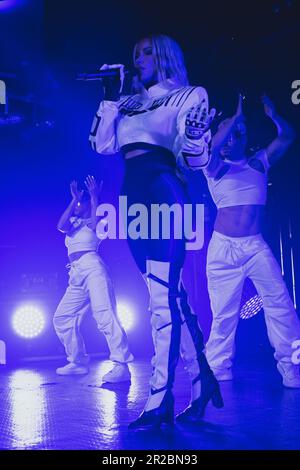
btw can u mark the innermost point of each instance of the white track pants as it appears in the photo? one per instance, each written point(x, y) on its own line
point(175, 330)
point(229, 261)
point(89, 288)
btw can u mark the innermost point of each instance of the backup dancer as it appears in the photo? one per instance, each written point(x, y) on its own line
point(155, 133)
point(90, 287)
point(237, 250)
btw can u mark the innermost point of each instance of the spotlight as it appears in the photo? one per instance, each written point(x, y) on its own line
point(28, 321)
point(125, 315)
point(251, 307)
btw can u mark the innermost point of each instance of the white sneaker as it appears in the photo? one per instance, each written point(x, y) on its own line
point(119, 373)
point(223, 374)
point(72, 369)
point(290, 375)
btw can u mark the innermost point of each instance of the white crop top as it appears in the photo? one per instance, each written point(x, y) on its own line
point(239, 183)
point(82, 238)
point(155, 116)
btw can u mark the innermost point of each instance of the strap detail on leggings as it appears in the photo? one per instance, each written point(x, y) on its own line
point(157, 279)
point(154, 392)
point(196, 379)
point(164, 326)
point(163, 283)
point(205, 372)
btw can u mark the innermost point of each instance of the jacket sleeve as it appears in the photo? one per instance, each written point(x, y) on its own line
point(192, 153)
point(103, 136)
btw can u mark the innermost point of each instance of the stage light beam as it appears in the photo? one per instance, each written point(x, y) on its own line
point(126, 315)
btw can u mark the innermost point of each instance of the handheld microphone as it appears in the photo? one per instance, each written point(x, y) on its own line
point(106, 73)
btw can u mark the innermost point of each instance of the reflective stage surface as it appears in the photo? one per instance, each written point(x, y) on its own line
point(40, 410)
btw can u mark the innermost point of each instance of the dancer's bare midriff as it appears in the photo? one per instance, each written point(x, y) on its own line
point(78, 254)
point(239, 221)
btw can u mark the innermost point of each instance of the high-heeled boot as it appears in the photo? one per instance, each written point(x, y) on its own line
point(210, 391)
point(154, 418)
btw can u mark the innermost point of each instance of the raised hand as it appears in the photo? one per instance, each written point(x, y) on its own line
point(93, 188)
point(269, 106)
point(76, 194)
point(239, 109)
point(198, 121)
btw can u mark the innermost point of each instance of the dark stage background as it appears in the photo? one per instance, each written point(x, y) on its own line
point(229, 47)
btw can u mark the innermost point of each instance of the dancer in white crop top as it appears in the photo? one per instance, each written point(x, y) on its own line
point(238, 186)
point(90, 287)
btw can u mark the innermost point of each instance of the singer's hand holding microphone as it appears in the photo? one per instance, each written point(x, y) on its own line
point(113, 85)
point(112, 77)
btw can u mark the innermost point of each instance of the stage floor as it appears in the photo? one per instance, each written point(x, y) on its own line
point(40, 410)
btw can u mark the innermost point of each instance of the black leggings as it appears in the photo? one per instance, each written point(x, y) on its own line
point(151, 178)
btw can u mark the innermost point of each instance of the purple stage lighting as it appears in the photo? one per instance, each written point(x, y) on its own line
point(9, 4)
point(2, 352)
point(251, 307)
point(28, 321)
point(125, 315)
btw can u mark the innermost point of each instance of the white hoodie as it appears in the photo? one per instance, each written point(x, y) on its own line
point(155, 116)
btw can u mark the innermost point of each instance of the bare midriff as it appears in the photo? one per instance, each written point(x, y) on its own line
point(239, 221)
point(75, 256)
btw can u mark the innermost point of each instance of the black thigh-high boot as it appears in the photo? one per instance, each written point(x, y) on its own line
point(205, 387)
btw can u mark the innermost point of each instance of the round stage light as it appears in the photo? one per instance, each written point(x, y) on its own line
point(251, 307)
point(28, 321)
point(126, 315)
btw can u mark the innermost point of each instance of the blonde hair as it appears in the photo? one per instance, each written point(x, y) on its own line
point(168, 58)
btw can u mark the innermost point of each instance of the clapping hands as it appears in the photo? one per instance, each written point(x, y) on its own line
point(93, 187)
point(75, 192)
